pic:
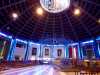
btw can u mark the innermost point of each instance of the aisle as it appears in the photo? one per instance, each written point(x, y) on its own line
point(36, 70)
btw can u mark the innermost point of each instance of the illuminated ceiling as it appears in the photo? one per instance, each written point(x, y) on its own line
point(55, 6)
point(26, 19)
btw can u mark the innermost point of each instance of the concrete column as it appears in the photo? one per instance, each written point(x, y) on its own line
point(26, 51)
point(96, 51)
point(81, 51)
point(10, 55)
point(67, 52)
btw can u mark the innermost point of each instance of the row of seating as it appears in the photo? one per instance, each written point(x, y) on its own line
point(88, 65)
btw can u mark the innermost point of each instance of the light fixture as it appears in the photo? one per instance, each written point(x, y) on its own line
point(77, 12)
point(19, 40)
point(14, 15)
point(2, 34)
point(55, 6)
point(34, 43)
point(72, 44)
point(98, 21)
point(86, 42)
point(98, 38)
point(39, 11)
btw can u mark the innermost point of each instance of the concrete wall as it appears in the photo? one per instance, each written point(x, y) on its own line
point(31, 57)
point(19, 52)
point(41, 51)
point(49, 47)
point(62, 47)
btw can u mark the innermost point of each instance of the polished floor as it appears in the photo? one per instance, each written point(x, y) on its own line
point(37, 70)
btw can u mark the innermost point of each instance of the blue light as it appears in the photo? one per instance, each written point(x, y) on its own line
point(2, 34)
point(34, 43)
point(98, 38)
point(82, 53)
point(86, 42)
point(11, 50)
point(98, 49)
point(21, 41)
point(10, 37)
point(79, 51)
point(58, 45)
point(67, 52)
point(8, 58)
point(73, 44)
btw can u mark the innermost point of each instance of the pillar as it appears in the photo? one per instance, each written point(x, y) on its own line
point(2, 43)
point(81, 51)
point(40, 51)
point(26, 51)
point(10, 55)
point(99, 50)
point(96, 51)
point(67, 52)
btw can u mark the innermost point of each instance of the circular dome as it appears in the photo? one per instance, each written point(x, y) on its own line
point(26, 20)
point(55, 6)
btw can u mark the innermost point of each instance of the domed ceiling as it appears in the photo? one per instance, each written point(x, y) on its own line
point(28, 19)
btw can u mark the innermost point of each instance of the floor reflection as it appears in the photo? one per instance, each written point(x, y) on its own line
point(37, 70)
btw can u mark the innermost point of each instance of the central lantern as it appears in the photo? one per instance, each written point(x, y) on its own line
point(55, 6)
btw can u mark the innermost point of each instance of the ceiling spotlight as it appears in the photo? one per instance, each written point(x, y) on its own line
point(14, 15)
point(98, 21)
point(77, 12)
point(39, 11)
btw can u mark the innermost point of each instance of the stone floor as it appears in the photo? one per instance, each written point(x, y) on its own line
point(40, 70)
